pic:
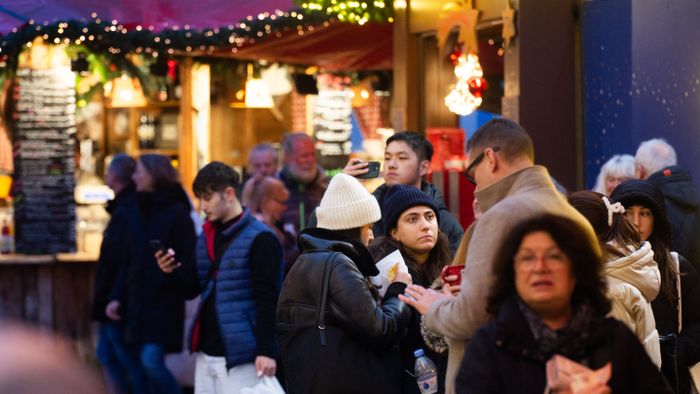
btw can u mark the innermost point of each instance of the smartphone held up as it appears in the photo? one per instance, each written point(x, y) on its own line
point(372, 170)
point(157, 245)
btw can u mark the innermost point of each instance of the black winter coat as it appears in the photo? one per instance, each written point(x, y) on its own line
point(448, 223)
point(413, 339)
point(362, 334)
point(683, 206)
point(113, 250)
point(666, 316)
point(502, 357)
point(152, 302)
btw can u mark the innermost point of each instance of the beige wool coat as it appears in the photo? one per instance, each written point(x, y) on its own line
point(522, 195)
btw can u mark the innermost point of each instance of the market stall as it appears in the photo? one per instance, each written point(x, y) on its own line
point(97, 82)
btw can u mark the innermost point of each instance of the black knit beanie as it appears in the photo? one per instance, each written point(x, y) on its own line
point(400, 198)
point(642, 192)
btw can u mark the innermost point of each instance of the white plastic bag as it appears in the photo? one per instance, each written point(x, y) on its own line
point(266, 385)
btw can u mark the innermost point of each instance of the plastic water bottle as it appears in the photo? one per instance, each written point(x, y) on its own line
point(7, 241)
point(426, 373)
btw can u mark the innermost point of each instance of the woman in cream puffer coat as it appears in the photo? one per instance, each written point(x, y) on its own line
point(633, 276)
point(633, 282)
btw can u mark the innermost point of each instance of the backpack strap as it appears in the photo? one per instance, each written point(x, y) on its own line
point(321, 313)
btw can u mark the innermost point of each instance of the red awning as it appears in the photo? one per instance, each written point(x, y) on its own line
point(338, 46)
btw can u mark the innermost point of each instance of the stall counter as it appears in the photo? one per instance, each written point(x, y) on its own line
point(53, 291)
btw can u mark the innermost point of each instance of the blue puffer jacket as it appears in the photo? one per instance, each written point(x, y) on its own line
point(235, 303)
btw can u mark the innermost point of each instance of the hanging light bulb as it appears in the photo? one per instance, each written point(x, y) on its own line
point(256, 93)
point(125, 92)
point(466, 95)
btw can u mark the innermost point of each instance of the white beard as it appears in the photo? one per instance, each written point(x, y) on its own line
point(303, 176)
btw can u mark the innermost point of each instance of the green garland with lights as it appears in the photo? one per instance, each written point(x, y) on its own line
point(353, 11)
point(116, 40)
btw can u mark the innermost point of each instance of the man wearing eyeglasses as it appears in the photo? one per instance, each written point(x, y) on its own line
point(509, 189)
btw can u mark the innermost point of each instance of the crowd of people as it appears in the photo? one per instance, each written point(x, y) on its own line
point(286, 261)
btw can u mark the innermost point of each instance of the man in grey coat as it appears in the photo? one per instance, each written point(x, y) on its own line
point(509, 189)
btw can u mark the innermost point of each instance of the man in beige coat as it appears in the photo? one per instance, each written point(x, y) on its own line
point(509, 189)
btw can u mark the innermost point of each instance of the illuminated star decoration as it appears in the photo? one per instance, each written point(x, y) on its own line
point(467, 93)
point(458, 13)
point(508, 16)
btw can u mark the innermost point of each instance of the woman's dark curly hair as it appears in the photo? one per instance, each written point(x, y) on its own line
point(586, 262)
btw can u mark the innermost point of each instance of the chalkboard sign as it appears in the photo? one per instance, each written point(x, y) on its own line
point(44, 151)
point(332, 127)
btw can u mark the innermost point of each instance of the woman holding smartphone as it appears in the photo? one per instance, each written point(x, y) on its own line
point(411, 219)
point(148, 300)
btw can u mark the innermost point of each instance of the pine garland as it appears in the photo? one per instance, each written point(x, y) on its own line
point(112, 38)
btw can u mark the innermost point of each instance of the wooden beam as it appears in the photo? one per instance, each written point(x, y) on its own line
point(187, 149)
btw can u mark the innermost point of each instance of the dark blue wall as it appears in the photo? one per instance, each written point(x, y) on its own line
point(641, 64)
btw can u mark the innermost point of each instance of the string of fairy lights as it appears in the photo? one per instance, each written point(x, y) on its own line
point(353, 11)
point(114, 38)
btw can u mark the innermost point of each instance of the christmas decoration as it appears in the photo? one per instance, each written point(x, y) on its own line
point(467, 93)
point(508, 16)
point(277, 79)
point(456, 54)
point(477, 86)
point(118, 40)
point(461, 14)
point(353, 11)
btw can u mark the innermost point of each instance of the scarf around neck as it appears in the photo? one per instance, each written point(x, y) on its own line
point(568, 341)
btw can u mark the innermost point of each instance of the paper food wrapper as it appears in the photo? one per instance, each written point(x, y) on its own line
point(567, 376)
point(385, 267)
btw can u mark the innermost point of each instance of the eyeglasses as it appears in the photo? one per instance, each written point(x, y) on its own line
point(553, 260)
point(469, 172)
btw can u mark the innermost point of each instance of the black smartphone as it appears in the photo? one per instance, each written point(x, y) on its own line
point(372, 170)
point(156, 245)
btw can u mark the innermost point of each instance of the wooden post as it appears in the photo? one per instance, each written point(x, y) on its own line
point(187, 149)
point(406, 109)
point(540, 85)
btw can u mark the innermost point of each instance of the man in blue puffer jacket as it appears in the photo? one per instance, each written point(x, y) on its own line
point(239, 275)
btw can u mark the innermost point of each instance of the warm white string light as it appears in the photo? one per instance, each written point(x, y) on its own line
point(460, 100)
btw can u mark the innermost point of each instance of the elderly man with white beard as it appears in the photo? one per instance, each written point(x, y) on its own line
point(304, 179)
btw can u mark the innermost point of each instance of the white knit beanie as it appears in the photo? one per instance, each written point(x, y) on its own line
point(346, 204)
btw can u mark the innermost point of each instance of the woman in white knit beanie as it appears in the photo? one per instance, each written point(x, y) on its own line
point(336, 335)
